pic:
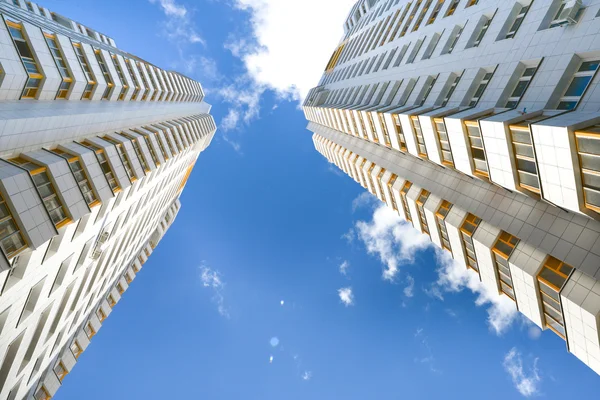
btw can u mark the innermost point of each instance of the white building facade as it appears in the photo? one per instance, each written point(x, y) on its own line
point(96, 146)
point(479, 122)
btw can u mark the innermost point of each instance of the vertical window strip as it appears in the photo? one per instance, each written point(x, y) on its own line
point(476, 147)
point(521, 87)
point(522, 143)
point(80, 176)
point(423, 196)
point(34, 73)
point(372, 125)
point(121, 77)
point(91, 81)
point(422, 150)
point(588, 152)
point(11, 238)
point(467, 230)
point(502, 250)
point(551, 279)
point(440, 219)
point(107, 77)
point(399, 132)
point(444, 141)
point(384, 130)
point(59, 60)
point(105, 166)
point(422, 15)
point(390, 183)
point(403, 192)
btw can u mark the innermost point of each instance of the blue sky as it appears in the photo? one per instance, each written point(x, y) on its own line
point(266, 219)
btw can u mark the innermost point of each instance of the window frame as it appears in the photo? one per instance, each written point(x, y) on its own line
point(578, 74)
point(28, 92)
point(9, 217)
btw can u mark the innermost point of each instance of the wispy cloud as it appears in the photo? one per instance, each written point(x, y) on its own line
point(365, 199)
point(212, 279)
point(526, 382)
point(307, 375)
point(344, 267)
point(409, 290)
point(427, 358)
point(346, 296)
point(397, 243)
point(178, 25)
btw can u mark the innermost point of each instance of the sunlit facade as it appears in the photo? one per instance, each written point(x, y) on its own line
point(96, 146)
point(479, 123)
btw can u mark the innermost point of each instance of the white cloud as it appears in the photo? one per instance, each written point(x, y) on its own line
point(364, 199)
point(306, 375)
point(396, 242)
point(534, 332)
point(212, 279)
point(391, 239)
point(344, 267)
point(346, 296)
point(454, 277)
point(289, 56)
point(526, 382)
point(409, 290)
point(178, 26)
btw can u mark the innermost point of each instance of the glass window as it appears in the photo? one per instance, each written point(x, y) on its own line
point(578, 85)
point(60, 371)
point(89, 330)
point(423, 196)
point(76, 349)
point(11, 239)
point(399, 132)
point(419, 136)
point(121, 77)
point(107, 77)
point(444, 141)
point(403, 192)
point(512, 31)
point(80, 177)
point(476, 146)
point(42, 394)
point(440, 217)
point(482, 32)
point(452, 8)
point(34, 73)
point(105, 166)
point(59, 60)
point(87, 93)
point(551, 279)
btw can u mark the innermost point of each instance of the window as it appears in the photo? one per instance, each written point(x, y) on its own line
point(521, 87)
point(87, 92)
point(124, 157)
point(481, 89)
point(452, 8)
point(89, 330)
point(422, 150)
point(454, 39)
point(111, 300)
point(423, 196)
point(399, 132)
point(100, 314)
point(120, 288)
point(403, 192)
point(104, 69)
point(152, 78)
point(60, 371)
point(442, 136)
point(76, 349)
point(121, 77)
point(551, 279)
point(588, 150)
point(59, 59)
point(440, 219)
point(158, 140)
point(372, 126)
point(46, 190)
point(80, 176)
point(42, 394)
point(415, 50)
point(11, 239)
point(362, 125)
point(482, 32)
point(517, 23)
point(379, 184)
point(138, 150)
point(436, 11)
point(578, 85)
point(397, 28)
point(476, 146)
point(422, 15)
point(389, 185)
point(451, 90)
point(502, 250)
point(466, 233)
point(34, 73)
point(128, 278)
point(557, 20)
point(524, 157)
point(147, 90)
point(384, 130)
point(149, 145)
point(105, 166)
point(471, 3)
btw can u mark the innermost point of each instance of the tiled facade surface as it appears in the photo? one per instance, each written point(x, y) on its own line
point(114, 165)
point(492, 106)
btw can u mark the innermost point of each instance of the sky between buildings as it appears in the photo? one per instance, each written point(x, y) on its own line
point(281, 278)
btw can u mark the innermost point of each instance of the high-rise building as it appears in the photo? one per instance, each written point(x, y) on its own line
point(478, 121)
point(96, 146)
